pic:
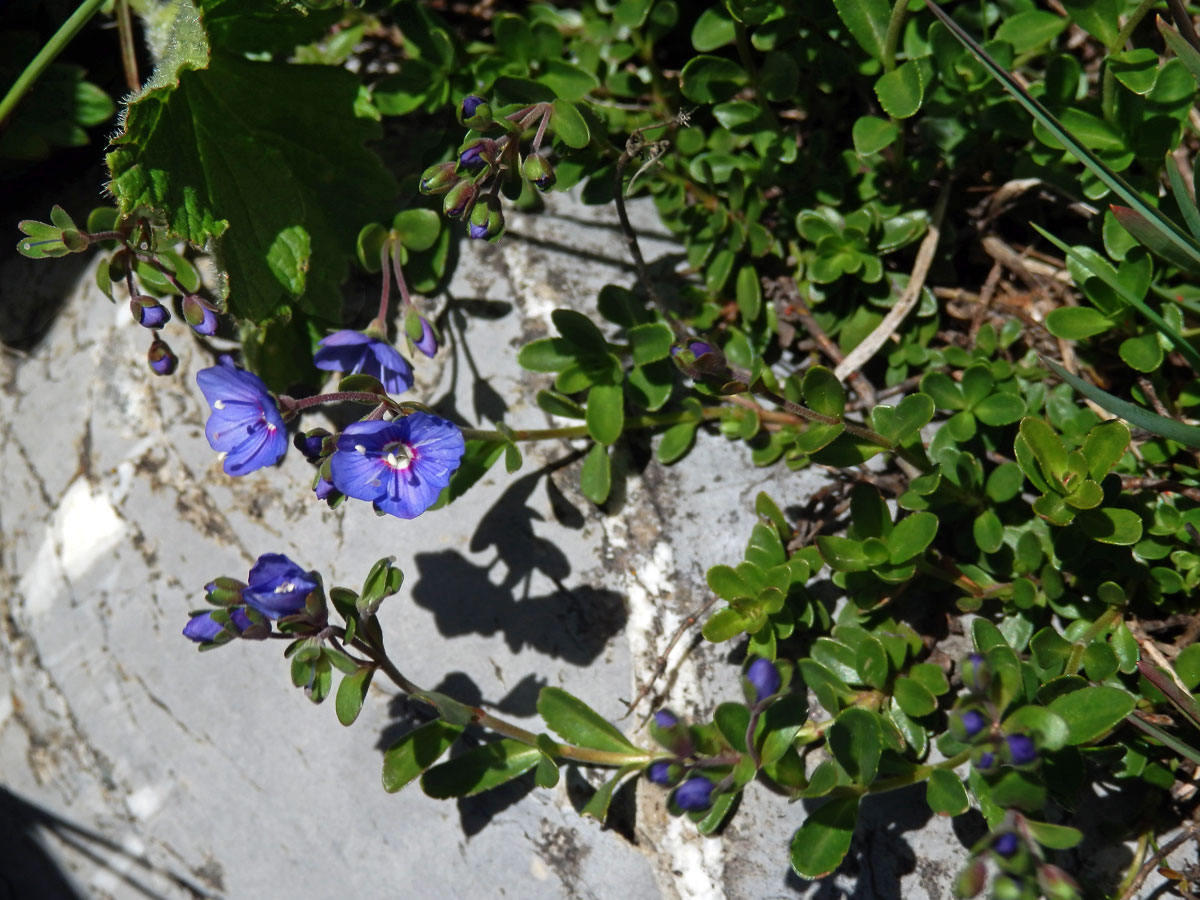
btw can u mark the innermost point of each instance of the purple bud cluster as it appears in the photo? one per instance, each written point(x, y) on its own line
point(471, 182)
point(276, 588)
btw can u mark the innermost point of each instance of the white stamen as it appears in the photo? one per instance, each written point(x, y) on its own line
point(285, 588)
point(360, 448)
point(218, 404)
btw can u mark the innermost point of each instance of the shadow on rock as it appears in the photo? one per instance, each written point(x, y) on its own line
point(879, 855)
point(573, 625)
point(30, 871)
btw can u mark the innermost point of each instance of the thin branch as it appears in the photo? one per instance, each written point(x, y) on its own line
point(859, 356)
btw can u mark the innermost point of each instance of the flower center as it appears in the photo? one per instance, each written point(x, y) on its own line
point(397, 455)
point(286, 588)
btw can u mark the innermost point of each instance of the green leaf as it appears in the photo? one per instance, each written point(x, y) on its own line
point(1056, 837)
point(576, 722)
point(676, 441)
point(914, 698)
point(415, 752)
point(856, 742)
point(867, 21)
point(597, 805)
point(1143, 353)
point(1136, 69)
point(1188, 435)
point(568, 81)
point(872, 134)
point(417, 228)
point(823, 392)
point(723, 625)
point(595, 478)
point(945, 793)
point(1047, 447)
point(351, 694)
point(821, 843)
point(1122, 527)
point(1179, 45)
point(1092, 712)
point(650, 342)
point(558, 405)
point(1097, 17)
point(1074, 323)
point(711, 79)
point(1028, 30)
point(486, 767)
point(749, 293)
point(569, 125)
point(911, 536)
point(999, 409)
point(901, 90)
point(713, 29)
point(727, 584)
point(478, 458)
point(605, 412)
point(280, 188)
point(1104, 446)
point(548, 355)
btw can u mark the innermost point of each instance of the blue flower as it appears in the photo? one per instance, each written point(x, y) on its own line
point(277, 586)
point(399, 466)
point(353, 352)
point(764, 678)
point(245, 426)
point(204, 628)
point(310, 443)
point(694, 794)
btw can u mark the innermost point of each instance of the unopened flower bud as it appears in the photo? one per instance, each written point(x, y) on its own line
point(224, 591)
point(1007, 887)
point(694, 794)
point(763, 677)
point(976, 676)
point(428, 342)
point(1056, 884)
point(664, 718)
point(162, 361)
point(970, 881)
point(310, 443)
point(487, 222)
point(200, 314)
point(537, 170)
point(1006, 844)
point(663, 773)
point(324, 488)
point(459, 200)
point(986, 761)
point(1021, 749)
point(479, 155)
point(672, 734)
point(148, 312)
point(967, 724)
point(474, 112)
point(439, 178)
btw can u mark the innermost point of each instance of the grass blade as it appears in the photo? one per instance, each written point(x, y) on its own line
point(1158, 734)
point(1118, 185)
point(1177, 340)
point(1183, 198)
point(1188, 435)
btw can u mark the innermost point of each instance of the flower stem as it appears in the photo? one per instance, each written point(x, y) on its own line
point(581, 431)
point(294, 406)
point(47, 55)
point(500, 726)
